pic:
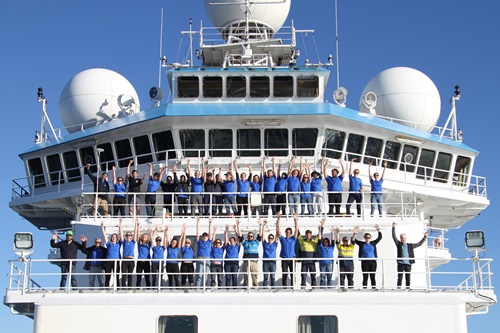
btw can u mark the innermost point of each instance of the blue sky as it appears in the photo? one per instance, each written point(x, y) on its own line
point(47, 43)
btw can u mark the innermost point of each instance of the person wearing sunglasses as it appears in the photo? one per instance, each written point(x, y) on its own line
point(113, 255)
point(269, 247)
point(334, 187)
point(119, 199)
point(345, 251)
point(355, 188)
point(94, 263)
point(158, 256)
point(216, 255)
point(128, 249)
point(368, 256)
point(305, 191)
point(250, 253)
point(376, 195)
point(287, 252)
point(232, 256)
point(204, 245)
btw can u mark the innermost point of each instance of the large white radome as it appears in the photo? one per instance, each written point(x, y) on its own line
point(265, 12)
point(407, 94)
point(91, 97)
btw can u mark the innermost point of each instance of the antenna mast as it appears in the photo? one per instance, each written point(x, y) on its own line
point(337, 45)
point(161, 47)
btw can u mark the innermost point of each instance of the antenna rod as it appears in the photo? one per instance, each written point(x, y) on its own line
point(337, 45)
point(161, 47)
point(191, 40)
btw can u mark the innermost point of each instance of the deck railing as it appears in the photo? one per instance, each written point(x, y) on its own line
point(38, 275)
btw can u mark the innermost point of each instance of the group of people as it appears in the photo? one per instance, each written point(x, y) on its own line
point(206, 192)
point(216, 262)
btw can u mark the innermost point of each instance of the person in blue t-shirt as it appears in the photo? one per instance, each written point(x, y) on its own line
point(256, 195)
point(355, 188)
point(280, 188)
point(269, 247)
point(203, 244)
point(119, 199)
point(187, 266)
point(268, 186)
point(196, 188)
point(305, 192)
point(229, 189)
point(158, 257)
point(128, 246)
point(368, 256)
point(376, 184)
point(173, 248)
point(243, 187)
point(232, 257)
point(287, 253)
point(112, 252)
point(293, 186)
point(143, 259)
point(317, 192)
point(153, 185)
point(325, 249)
point(334, 187)
point(216, 255)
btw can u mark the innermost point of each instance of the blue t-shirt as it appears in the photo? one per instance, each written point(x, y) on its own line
point(255, 186)
point(229, 187)
point(368, 251)
point(269, 249)
point(143, 250)
point(196, 185)
point(281, 184)
point(96, 254)
point(355, 184)
point(316, 184)
point(128, 248)
point(120, 190)
point(216, 252)
point(113, 250)
point(187, 252)
point(293, 183)
point(325, 252)
point(232, 251)
point(158, 253)
point(287, 247)
point(305, 187)
point(172, 254)
point(153, 184)
point(250, 248)
point(269, 183)
point(243, 187)
point(204, 248)
point(376, 185)
point(334, 183)
point(404, 254)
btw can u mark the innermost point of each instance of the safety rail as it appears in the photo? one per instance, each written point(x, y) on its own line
point(476, 277)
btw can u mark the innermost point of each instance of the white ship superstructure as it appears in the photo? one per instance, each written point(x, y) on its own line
point(249, 101)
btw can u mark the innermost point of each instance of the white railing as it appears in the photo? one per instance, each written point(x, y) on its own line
point(37, 275)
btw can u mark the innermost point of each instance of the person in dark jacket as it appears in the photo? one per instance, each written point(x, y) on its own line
point(101, 187)
point(405, 255)
point(69, 249)
point(182, 188)
point(94, 263)
point(368, 255)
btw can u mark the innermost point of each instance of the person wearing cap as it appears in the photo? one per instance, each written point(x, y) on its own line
point(134, 187)
point(168, 187)
point(69, 250)
point(355, 188)
point(368, 256)
point(334, 187)
point(345, 254)
point(101, 187)
point(94, 263)
point(287, 252)
point(405, 255)
point(203, 244)
point(157, 262)
point(307, 249)
point(153, 185)
point(197, 181)
point(376, 184)
point(119, 199)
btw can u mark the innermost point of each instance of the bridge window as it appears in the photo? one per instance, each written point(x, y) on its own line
point(36, 172)
point(318, 324)
point(425, 164)
point(177, 324)
point(304, 141)
point(106, 158)
point(391, 154)
point(192, 142)
point(87, 156)
point(334, 144)
point(188, 86)
point(123, 152)
point(71, 166)
point(408, 158)
point(142, 149)
point(163, 143)
point(55, 169)
point(283, 86)
point(307, 86)
point(248, 142)
point(443, 165)
point(462, 169)
point(212, 86)
point(236, 86)
point(372, 151)
point(276, 142)
point(354, 146)
point(259, 86)
point(220, 142)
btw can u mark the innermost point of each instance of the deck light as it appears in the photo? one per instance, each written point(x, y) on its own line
point(474, 240)
point(23, 244)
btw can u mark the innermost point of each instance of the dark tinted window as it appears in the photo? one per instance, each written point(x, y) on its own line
point(87, 156)
point(391, 154)
point(71, 166)
point(55, 169)
point(307, 86)
point(276, 142)
point(283, 86)
point(443, 165)
point(142, 149)
point(248, 142)
point(163, 142)
point(178, 324)
point(236, 86)
point(408, 158)
point(212, 86)
point(36, 172)
point(354, 146)
point(259, 86)
point(318, 324)
point(373, 150)
point(304, 141)
point(220, 142)
point(123, 152)
point(425, 164)
point(334, 144)
point(462, 169)
point(106, 157)
point(192, 142)
point(188, 86)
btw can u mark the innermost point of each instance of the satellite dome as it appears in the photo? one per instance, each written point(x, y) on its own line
point(95, 96)
point(406, 94)
point(268, 13)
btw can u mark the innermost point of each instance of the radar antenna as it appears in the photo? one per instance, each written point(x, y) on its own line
point(127, 104)
point(42, 135)
point(455, 134)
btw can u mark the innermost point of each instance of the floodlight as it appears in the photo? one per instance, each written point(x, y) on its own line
point(474, 240)
point(23, 241)
point(340, 96)
point(156, 93)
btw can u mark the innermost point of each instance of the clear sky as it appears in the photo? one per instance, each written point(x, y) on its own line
point(47, 43)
